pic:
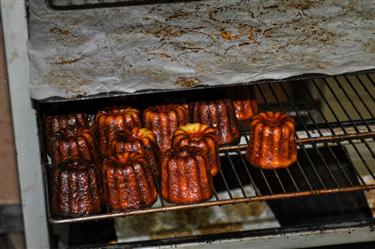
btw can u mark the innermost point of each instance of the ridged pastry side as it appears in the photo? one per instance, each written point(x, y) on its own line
point(201, 136)
point(65, 147)
point(115, 119)
point(128, 184)
point(272, 142)
point(245, 109)
point(186, 177)
point(164, 120)
point(75, 189)
point(140, 140)
point(219, 114)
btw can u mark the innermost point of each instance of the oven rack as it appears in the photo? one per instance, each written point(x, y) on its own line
point(335, 121)
point(88, 4)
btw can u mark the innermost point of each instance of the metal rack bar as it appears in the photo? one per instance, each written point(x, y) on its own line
point(302, 146)
point(235, 173)
point(214, 203)
point(320, 133)
point(338, 120)
point(304, 125)
point(331, 129)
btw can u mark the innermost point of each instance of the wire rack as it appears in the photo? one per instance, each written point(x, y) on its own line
point(335, 126)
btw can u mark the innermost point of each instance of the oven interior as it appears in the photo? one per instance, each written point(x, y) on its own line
point(328, 186)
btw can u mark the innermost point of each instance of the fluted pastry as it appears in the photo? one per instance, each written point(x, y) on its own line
point(64, 146)
point(245, 108)
point(115, 119)
point(201, 136)
point(219, 114)
point(272, 142)
point(186, 176)
point(140, 140)
point(75, 189)
point(128, 184)
point(164, 120)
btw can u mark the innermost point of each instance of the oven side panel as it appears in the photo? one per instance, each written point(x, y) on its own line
point(24, 122)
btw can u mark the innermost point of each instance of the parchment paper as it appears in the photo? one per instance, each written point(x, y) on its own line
point(169, 46)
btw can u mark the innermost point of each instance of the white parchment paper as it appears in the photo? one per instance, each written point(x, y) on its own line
point(169, 46)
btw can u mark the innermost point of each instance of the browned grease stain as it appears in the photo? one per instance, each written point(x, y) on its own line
point(67, 37)
point(187, 82)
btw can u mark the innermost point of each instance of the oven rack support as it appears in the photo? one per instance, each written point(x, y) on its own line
point(317, 131)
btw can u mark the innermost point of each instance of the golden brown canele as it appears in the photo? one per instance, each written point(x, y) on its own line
point(245, 108)
point(201, 136)
point(70, 124)
point(219, 114)
point(75, 189)
point(140, 140)
point(185, 176)
point(164, 120)
point(272, 142)
point(65, 147)
point(115, 119)
point(129, 184)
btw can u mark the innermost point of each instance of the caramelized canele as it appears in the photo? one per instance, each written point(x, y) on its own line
point(75, 189)
point(128, 184)
point(140, 140)
point(64, 146)
point(201, 136)
point(69, 124)
point(164, 120)
point(219, 114)
point(272, 142)
point(245, 108)
point(185, 176)
point(115, 119)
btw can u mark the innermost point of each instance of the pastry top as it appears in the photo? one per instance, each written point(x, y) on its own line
point(273, 119)
point(69, 124)
point(118, 116)
point(202, 136)
point(219, 114)
point(168, 112)
point(127, 159)
point(195, 131)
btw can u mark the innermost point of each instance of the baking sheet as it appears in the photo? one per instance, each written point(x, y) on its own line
point(180, 45)
point(201, 221)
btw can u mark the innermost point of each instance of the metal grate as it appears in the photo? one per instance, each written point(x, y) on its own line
point(87, 4)
point(335, 135)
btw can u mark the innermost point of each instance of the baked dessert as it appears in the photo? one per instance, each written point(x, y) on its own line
point(68, 123)
point(128, 184)
point(201, 136)
point(185, 176)
point(272, 142)
point(65, 146)
point(115, 119)
point(75, 189)
point(164, 120)
point(219, 114)
point(245, 108)
point(140, 140)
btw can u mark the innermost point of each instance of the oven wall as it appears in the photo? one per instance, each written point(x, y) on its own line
point(24, 123)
